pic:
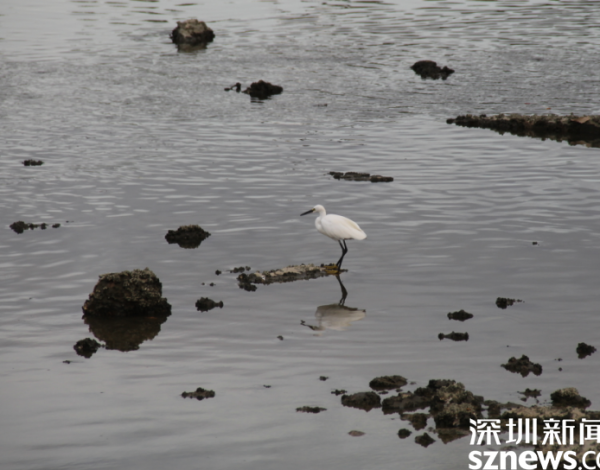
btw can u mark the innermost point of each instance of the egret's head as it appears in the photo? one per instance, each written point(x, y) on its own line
point(318, 208)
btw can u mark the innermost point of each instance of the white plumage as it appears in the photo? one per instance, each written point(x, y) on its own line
point(338, 228)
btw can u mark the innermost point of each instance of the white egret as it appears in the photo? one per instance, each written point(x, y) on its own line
point(338, 228)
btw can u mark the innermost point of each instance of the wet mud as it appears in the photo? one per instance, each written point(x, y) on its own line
point(187, 236)
point(503, 302)
point(191, 35)
point(199, 394)
point(460, 315)
point(300, 272)
point(86, 347)
point(454, 336)
point(33, 162)
point(127, 294)
point(585, 350)
point(263, 90)
point(204, 304)
point(522, 366)
point(430, 69)
point(354, 176)
point(20, 226)
point(576, 130)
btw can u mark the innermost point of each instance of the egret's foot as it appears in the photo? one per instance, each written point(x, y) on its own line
point(332, 269)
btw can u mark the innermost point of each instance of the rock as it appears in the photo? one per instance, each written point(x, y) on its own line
point(354, 176)
point(522, 366)
point(237, 87)
point(430, 69)
point(584, 350)
point(454, 336)
point(388, 382)
point(424, 440)
point(262, 90)
point(362, 400)
point(461, 315)
point(418, 420)
point(455, 415)
point(404, 433)
point(569, 397)
point(191, 34)
point(20, 226)
point(574, 129)
point(187, 236)
point(290, 274)
point(33, 162)
point(338, 392)
point(204, 304)
point(86, 347)
point(127, 294)
point(199, 394)
point(310, 409)
point(406, 401)
point(503, 302)
point(530, 394)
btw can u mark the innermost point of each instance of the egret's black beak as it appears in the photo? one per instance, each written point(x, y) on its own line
point(307, 212)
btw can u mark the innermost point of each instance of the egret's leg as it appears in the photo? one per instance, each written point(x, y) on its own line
point(344, 251)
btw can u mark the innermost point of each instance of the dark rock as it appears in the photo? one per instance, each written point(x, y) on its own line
point(454, 336)
point(355, 433)
point(584, 350)
point(310, 409)
point(338, 392)
point(424, 440)
point(530, 394)
point(569, 397)
point(204, 304)
point(354, 176)
point(126, 294)
point(362, 400)
point(387, 382)
point(406, 401)
point(86, 347)
point(576, 130)
point(418, 420)
point(199, 394)
point(217, 272)
point(430, 69)
point(55, 225)
point(187, 236)
point(503, 302)
point(455, 415)
point(522, 366)
point(33, 162)
point(191, 34)
point(404, 433)
point(239, 269)
point(262, 90)
point(20, 226)
point(461, 315)
point(290, 274)
point(380, 179)
point(323, 378)
point(237, 87)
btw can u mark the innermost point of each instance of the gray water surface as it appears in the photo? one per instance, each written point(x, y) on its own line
point(138, 139)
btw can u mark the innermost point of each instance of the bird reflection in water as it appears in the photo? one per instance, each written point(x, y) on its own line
point(335, 316)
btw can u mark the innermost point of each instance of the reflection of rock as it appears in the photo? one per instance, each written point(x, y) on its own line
point(191, 35)
point(128, 293)
point(86, 347)
point(199, 394)
point(583, 130)
point(430, 69)
point(522, 366)
point(124, 333)
point(262, 90)
point(354, 176)
point(187, 236)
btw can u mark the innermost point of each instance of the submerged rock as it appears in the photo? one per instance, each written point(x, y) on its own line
point(204, 304)
point(461, 315)
point(353, 176)
point(86, 347)
point(584, 350)
point(430, 69)
point(127, 294)
point(199, 394)
point(262, 90)
point(522, 366)
point(187, 236)
point(362, 400)
point(33, 162)
point(191, 34)
point(583, 130)
point(300, 272)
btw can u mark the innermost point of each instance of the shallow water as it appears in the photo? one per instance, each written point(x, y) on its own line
point(138, 139)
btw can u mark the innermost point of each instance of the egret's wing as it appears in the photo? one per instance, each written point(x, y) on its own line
point(341, 228)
